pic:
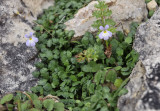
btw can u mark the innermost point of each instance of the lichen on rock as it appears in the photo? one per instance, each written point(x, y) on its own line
point(16, 70)
point(147, 44)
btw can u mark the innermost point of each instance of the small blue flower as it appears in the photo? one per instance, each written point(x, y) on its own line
point(31, 42)
point(105, 34)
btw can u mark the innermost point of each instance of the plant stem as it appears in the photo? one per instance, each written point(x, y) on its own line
point(107, 44)
point(19, 105)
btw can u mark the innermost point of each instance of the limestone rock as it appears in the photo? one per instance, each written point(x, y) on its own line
point(152, 5)
point(15, 69)
point(123, 11)
point(144, 85)
point(37, 6)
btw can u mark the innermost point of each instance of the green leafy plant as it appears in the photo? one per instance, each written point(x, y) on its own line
point(23, 101)
point(103, 15)
point(83, 74)
point(147, 1)
point(76, 70)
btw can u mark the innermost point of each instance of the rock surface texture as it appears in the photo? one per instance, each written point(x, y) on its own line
point(152, 5)
point(144, 85)
point(123, 11)
point(15, 21)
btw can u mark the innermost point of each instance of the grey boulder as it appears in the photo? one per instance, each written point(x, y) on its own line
point(124, 12)
point(144, 85)
point(16, 59)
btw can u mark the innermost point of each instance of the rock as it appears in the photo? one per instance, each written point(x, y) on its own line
point(152, 5)
point(144, 85)
point(37, 6)
point(15, 70)
point(123, 12)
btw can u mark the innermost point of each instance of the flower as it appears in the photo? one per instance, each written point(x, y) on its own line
point(105, 34)
point(31, 42)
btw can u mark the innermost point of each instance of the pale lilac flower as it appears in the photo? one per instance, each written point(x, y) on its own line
point(31, 42)
point(105, 34)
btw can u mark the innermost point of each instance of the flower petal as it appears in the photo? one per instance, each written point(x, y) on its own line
point(31, 34)
point(109, 33)
point(35, 39)
point(101, 35)
point(32, 43)
point(101, 28)
point(28, 43)
point(106, 27)
point(26, 36)
point(106, 37)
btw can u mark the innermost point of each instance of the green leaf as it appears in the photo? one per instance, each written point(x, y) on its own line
point(44, 35)
point(39, 89)
point(37, 28)
point(81, 74)
point(24, 106)
point(151, 12)
point(52, 65)
point(6, 98)
point(107, 96)
point(71, 34)
point(49, 55)
point(118, 82)
point(114, 44)
point(117, 68)
point(125, 69)
point(91, 88)
point(125, 73)
point(111, 76)
point(147, 1)
point(110, 60)
point(120, 88)
point(10, 107)
point(34, 90)
point(34, 109)
point(120, 36)
point(44, 73)
point(42, 82)
point(36, 74)
point(39, 65)
point(85, 41)
point(51, 17)
point(110, 21)
point(92, 67)
point(105, 108)
point(33, 96)
point(122, 92)
point(119, 51)
point(49, 43)
point(47, 87)
point(106, 89)
point(76, 83)
point(98, 76)
point(59, 106)
point(128, 40)
point(73, 78)
point(37, 104)
point(48, 104)
point(94, 98)
point(108, 13)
